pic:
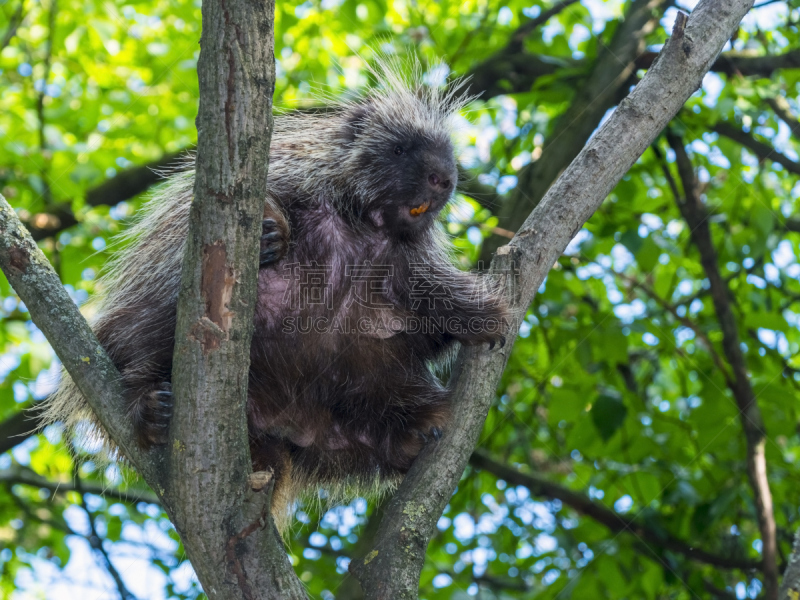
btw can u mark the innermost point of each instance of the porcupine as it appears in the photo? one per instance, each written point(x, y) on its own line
point(358, 298)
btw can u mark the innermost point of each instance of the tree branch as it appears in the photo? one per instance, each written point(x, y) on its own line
point(613, 68)
point(17, 428)
point(760, 149)
point(781, 108)
point(222, 515)
point(616, 523)
point(733, 63)
point(792, 224)
point(695, 215)
point(509, 72)
point(737, 63)
point(121, 187)
point(96, 542)
point(55, 314)
point(391, 570)
point(521, 69)
point(18, 475)
point(790, 588)
point(686, 322)
point(13, 24)
point(524, 30)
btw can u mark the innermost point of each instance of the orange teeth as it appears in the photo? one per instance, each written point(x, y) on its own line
point(420, 209)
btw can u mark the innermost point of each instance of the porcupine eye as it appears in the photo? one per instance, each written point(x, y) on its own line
point(398, 150)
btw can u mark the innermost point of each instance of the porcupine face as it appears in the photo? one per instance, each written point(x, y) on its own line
point(408, 166)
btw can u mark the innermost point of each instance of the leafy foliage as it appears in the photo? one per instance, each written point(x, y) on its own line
point(617, 387)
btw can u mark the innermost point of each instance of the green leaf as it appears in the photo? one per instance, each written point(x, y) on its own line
point(647, 255)
point(608, 415)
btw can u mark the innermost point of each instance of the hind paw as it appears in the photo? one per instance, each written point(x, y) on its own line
point(273, 242)
point(433, 434)
point(155, 415)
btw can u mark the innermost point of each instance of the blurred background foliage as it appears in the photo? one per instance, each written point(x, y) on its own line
point(614, 461)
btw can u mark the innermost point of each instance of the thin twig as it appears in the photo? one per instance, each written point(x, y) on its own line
point(781, 107)
point(759, 148)
point(524, 30)
point(18, 475)
point(48, 58)
point(13, 24)
point(96, 542)
point(654, 537)
point(718, 362)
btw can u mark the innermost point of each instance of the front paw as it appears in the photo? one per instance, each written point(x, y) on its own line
point(274, 242)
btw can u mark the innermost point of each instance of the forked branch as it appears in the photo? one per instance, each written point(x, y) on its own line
point(391, 570)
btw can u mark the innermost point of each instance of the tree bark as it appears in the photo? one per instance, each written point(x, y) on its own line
point(73, 341)
point(203, 478)
point(392, 569)
point(790, 588)
point(221, 511)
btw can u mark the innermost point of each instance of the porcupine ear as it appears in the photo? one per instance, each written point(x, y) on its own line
point(356, 120)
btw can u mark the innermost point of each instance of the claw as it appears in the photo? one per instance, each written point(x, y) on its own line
point(272, 243)
point(156, 414)
point(271, 236)
point(436, 433)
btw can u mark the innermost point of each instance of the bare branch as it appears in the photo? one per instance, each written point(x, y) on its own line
point(616, 523)
point(391, 570)
point(72, 339)
point(603, 88)
point(760, 66)
point(792, 224)
point(524, 30)
point(762, 150)
point(96, 542)
point(744, 64)
point(696, 218)
point(486, 72)
point(686, 322)
point(781, 107)
point(512, 72)
point(520, 70)
point(17, 428)
point(18, 475)
point(121, 187)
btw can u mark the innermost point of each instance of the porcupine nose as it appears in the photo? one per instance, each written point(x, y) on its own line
point(437, 183)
